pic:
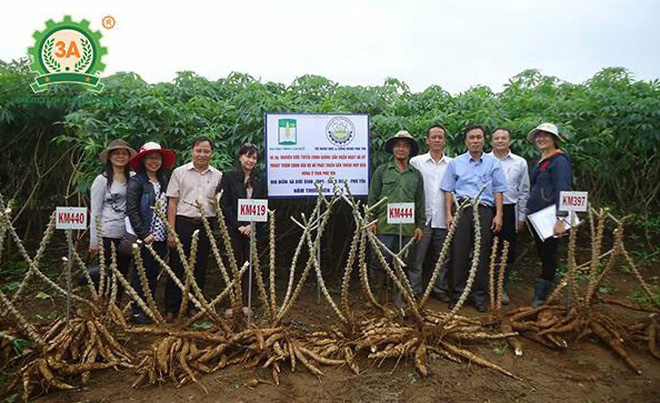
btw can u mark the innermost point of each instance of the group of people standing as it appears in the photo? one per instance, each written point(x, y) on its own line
point(134, 193)
point(125, 200)
point(500, 180)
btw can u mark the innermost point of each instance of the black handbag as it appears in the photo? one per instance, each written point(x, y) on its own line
point(126, 244)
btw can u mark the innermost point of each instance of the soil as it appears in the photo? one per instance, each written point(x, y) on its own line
point(585, 372)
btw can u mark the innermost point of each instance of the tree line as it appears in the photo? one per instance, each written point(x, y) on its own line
point(50, 141)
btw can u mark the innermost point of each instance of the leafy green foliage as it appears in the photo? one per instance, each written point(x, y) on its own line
point(640, 297)
point(11, 274)
point(612, 123)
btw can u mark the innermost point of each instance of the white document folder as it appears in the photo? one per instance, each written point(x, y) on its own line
point(544, 220)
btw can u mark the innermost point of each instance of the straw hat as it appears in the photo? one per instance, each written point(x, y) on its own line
point(116, 145)
point(402, 135)
point(545, 127)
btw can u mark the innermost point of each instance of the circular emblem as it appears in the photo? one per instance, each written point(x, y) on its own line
point(67, 52)
point(108, 22)
point(340, 131)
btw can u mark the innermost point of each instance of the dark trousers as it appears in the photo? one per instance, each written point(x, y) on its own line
point(123, 262)
point(184, 228)
point(433, 238)
point(547, 251)
point(378, 274)
point(461, 248)
point(507, 233)
point(241, 246)
point(150, 270)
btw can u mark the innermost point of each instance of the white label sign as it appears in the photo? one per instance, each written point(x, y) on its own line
point(303, 150)
point(71, 218)
point(253, 210)
point(573, 201)
point(401, 213)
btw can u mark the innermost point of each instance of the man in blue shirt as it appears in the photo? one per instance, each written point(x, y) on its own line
point(466, 175)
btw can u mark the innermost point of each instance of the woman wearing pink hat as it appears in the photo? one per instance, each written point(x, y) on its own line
point(146, 190)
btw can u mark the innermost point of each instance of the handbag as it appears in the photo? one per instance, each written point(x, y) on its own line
point(127, 241)
point(126, 244)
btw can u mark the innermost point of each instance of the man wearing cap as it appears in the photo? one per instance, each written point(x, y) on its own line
point(550, 176)
point(432, 166)
point(400, 182)
point(191, 183)
point(516, 172)
point(466, 175)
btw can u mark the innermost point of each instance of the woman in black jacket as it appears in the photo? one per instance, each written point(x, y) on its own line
point(242, 183)
point(146, 191)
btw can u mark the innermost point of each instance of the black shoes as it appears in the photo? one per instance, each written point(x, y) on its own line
point(140, 319)
point(481, 307)
point(440, 296)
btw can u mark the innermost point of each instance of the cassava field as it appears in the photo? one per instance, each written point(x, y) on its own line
point(319, 331)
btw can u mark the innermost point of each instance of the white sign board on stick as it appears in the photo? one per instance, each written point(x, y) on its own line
point(307, 149)
point(71, 218)
point(253, 210)
point(573, 201)
point(401, 213)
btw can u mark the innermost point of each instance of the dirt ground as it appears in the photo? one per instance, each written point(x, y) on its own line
point(585, 372)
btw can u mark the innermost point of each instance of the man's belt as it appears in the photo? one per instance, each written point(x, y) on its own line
point(462, 199)
point(191, 220)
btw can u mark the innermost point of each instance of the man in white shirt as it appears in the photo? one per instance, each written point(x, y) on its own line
point(515, 199)
point(193, 182)
point(432, 165)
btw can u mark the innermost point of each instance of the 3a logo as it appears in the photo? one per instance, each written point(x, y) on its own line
point(67, 52)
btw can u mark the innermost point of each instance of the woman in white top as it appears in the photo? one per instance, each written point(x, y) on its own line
point(108, 203)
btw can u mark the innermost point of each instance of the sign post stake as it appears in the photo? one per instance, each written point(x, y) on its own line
point(70, 218)
point(318, 259)
point(572, 202)
point(318, 282)
point(400, 213)
point(69, 241)
point(252, 211)
point(252, 246)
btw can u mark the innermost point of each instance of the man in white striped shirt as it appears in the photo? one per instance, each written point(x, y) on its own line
point(516, 171)
point(432, 165)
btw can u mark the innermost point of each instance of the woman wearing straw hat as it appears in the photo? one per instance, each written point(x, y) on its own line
point(550, 176)
point(108, 203)
point(146, 191)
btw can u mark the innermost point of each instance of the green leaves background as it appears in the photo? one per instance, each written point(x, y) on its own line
point(50, 142)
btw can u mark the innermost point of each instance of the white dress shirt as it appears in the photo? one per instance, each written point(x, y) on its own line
point(517, 177)
point(432, 172)
point(190, 185)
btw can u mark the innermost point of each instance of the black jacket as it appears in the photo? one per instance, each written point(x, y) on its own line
point(233, 188)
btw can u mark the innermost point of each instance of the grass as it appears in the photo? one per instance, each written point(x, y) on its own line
point(500, 347)
point(11, 275)
point(640, 297)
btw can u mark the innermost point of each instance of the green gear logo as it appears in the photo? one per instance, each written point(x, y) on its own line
point(67, 52)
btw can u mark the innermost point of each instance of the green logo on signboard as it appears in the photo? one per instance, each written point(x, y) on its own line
point(67, 52)
point(288, 132)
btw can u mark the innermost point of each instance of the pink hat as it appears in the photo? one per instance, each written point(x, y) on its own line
point(168, 155)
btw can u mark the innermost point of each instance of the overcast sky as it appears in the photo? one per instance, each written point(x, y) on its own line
point(455, 44)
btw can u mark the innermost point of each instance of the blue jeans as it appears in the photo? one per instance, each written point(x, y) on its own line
point(151, 269)
point(433, 237)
